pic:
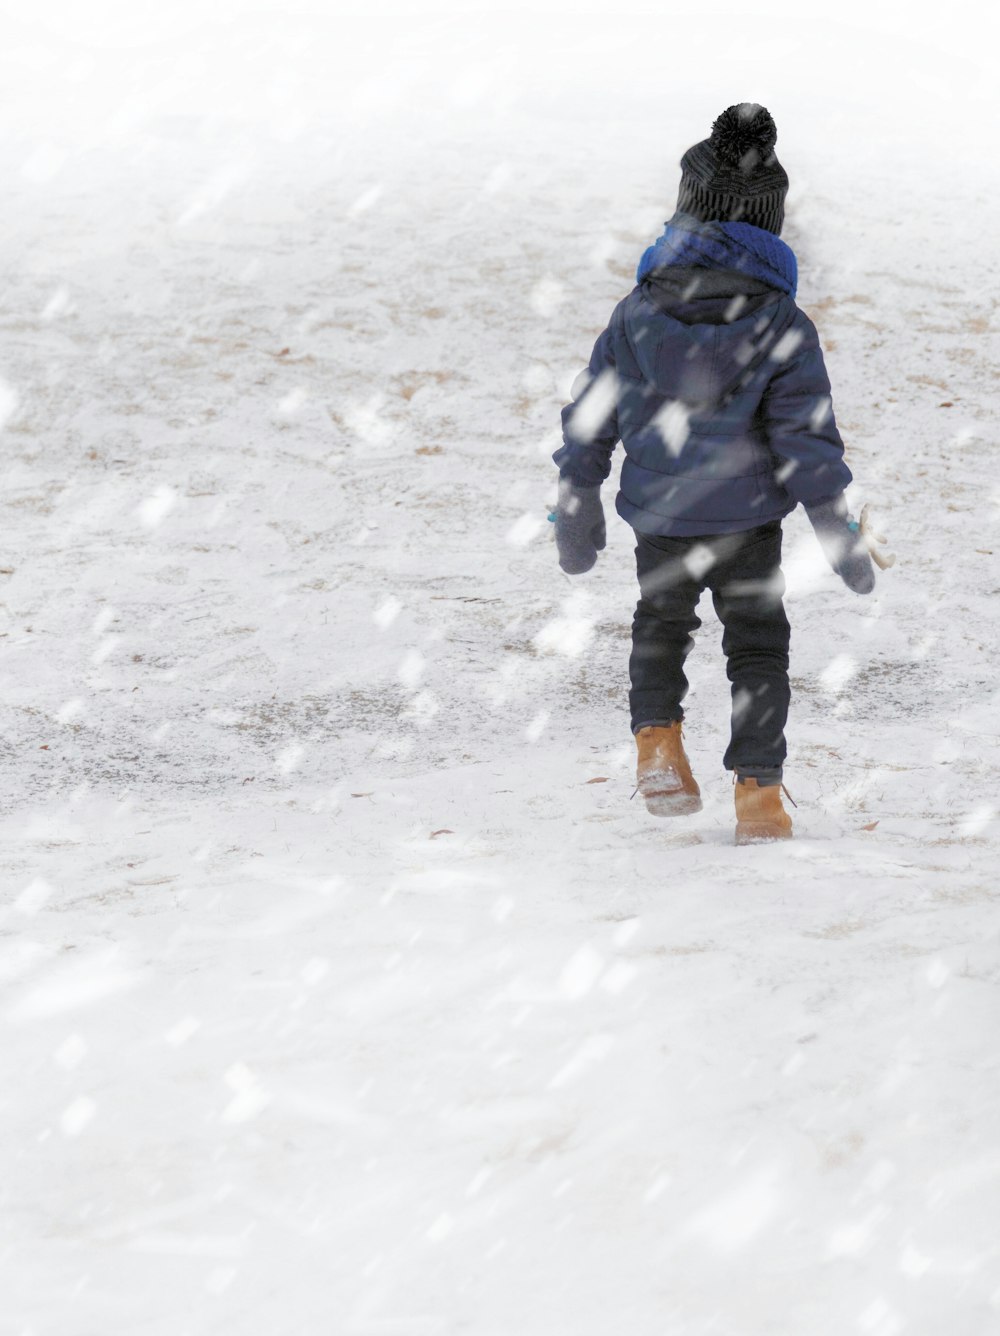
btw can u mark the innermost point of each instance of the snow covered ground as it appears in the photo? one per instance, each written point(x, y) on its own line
point(345, 989)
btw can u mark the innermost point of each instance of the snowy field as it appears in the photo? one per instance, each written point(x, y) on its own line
point(345, 990)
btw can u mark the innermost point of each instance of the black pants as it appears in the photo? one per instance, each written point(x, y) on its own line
point(743, 571)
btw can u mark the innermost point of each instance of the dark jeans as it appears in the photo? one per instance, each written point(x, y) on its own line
point(743, 571)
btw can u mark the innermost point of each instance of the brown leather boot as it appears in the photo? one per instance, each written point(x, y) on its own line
point(663, 775)
point(760, 815)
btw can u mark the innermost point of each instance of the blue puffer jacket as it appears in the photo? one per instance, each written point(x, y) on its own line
point(713, 379)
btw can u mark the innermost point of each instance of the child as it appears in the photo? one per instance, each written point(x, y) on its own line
point(714, 381)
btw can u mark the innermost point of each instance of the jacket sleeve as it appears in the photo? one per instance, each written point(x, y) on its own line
point(798, 418)
point(590, 421)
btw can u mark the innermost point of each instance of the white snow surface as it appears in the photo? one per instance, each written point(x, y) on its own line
point(345, 990)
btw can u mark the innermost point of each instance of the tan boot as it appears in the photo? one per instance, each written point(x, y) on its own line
point(663, 775)
point(760, 815)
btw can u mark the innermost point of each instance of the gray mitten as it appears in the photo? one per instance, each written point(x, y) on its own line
point(843, 543)
point(580, 527)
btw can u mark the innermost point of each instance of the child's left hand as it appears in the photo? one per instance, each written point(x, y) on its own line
point(843, 543)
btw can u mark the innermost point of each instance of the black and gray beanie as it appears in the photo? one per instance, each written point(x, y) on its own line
point(733, 175)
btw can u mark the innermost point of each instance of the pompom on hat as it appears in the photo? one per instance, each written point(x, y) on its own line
point(733, 176)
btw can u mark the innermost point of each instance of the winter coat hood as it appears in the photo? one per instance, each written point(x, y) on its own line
point(717, 332)
point(739, 247)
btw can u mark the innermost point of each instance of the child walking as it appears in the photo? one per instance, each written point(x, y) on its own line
point(714, 381)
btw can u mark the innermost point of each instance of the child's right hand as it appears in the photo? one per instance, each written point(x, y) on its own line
point(843, 543)
point(580, 527)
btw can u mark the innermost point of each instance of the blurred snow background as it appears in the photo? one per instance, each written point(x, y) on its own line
point(344, 989)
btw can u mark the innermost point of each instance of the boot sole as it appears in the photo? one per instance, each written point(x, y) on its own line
point(672, 804)
point(760, 832)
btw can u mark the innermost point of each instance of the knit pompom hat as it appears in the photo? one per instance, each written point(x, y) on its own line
point(733, 176)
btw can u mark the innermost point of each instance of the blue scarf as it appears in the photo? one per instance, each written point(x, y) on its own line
point(751, 250)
